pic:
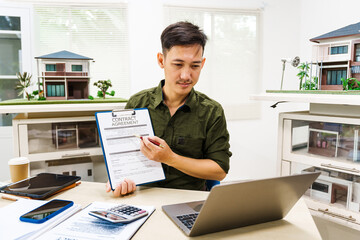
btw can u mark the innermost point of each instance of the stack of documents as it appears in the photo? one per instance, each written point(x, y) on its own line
point(82, 226)
point(12, 228)
point(70, 224)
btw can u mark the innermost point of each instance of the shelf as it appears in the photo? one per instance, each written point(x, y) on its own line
point(302, 156)
point(335, 213)
point(336, 99)
point(59, 108)
point(324, 143)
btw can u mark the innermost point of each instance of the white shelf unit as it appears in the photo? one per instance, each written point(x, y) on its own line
point(335, 195)
point(38, 138)
point(60, 138)
point(67, 145)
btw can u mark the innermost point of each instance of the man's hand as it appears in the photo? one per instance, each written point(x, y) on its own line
point(199, 168)
point(125, 187)
point(162, 153)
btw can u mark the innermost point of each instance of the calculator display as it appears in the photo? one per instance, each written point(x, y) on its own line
point(109, 215)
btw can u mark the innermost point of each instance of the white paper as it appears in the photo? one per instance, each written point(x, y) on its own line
point(122, 148)
point(12, 228)
point(83, 226)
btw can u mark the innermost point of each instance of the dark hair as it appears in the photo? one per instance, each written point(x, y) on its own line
point(182, 34)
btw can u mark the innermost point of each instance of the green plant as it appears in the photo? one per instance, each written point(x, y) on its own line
point(350, 84)
point(303, 73)
point(311, 85)
point(39, 93)
point(104, 85)
point(91, 97)
point(24, 83)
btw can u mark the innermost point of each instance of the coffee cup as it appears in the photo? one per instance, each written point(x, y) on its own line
point(19, 168)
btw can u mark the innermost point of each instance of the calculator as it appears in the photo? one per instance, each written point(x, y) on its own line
point(120, 214)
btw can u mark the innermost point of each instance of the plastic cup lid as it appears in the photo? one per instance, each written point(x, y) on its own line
point(18, 161)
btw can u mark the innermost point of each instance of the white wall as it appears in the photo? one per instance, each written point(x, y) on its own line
point(253, 142)
point(287, 28)
point(6, 151)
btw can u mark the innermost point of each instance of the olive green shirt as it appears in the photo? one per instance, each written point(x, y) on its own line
point(197, 130)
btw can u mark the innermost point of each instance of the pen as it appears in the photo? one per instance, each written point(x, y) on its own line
point(10, 197)
point(152, 141)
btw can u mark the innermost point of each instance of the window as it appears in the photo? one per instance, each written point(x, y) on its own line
point(334, 77)
point(320, 187)
point(55, 90)
point(84, 30)
point(232, 56)
point(15, 42)
point(50, 67)
point(339, 50)
point(76, 68)
point(357, 52)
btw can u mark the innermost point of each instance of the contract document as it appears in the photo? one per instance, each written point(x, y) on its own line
point(82, 226)
point(118, 132)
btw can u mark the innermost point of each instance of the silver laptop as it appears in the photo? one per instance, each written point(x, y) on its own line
point(240, 204)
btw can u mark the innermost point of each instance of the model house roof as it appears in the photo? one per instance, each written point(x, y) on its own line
point(353, 29)
point(63, 55)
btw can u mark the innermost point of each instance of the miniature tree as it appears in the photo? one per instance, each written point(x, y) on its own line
point(24, 83)
point(104, 85)
point(303, 73)
point(39, 93)
point(350, 84)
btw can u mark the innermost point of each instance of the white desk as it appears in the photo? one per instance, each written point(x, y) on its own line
point(298, 224)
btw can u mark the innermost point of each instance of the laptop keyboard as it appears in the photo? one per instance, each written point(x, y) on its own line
point(188, 219)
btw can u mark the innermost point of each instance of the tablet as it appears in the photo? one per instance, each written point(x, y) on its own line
point(41, 186)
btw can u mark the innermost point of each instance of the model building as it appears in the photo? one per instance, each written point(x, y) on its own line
point(337, 53)
point(64, 75)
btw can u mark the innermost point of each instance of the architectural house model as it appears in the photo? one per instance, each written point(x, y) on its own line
point(64, 75)
point(337, 54)
point(336, 187)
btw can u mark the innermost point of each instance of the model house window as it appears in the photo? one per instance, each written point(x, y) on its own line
point(55, 90)
point(334, 77)
point(232, 56)
point(357, 52)
point(50, 67)
point(320, 187)
point(84, 29)
point(15, 42)
point(339, 50)
point(76, 68)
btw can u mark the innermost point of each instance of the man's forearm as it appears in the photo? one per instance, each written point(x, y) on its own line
point(199, 168)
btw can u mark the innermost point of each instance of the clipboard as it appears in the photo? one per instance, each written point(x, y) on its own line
point(118, 131)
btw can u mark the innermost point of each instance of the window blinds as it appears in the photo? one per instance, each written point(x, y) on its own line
point(232, 68)
point(98, 32)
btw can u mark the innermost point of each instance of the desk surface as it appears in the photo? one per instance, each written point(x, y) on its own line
point(298, 224)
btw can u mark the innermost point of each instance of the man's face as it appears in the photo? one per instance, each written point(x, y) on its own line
point(182, 66)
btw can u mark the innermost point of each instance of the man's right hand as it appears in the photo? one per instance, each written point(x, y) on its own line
point(125, 187)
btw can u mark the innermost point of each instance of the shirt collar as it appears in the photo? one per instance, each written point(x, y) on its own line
point(159, 96)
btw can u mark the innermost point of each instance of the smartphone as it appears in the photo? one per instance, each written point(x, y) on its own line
point(46, 211)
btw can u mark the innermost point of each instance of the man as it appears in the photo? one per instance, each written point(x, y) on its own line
point(190, 126)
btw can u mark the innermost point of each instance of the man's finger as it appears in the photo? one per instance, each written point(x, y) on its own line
point(124, 188)
point(117, 190)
